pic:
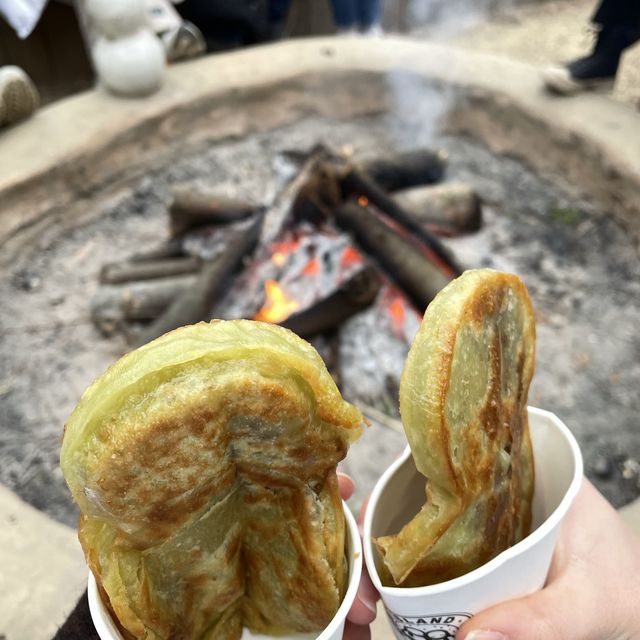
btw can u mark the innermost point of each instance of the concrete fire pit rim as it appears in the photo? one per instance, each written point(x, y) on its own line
point(53, 146)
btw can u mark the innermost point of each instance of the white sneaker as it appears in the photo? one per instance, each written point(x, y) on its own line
point(374, 31)
point(559, 80)
point(19, 97)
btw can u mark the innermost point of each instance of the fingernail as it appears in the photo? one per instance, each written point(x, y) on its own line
point(485, 635)
point(369, 604)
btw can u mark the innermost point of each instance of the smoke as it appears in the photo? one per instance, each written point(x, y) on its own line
point(417, 109)
point(446, 19)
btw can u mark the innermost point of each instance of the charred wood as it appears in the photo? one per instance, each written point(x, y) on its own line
point(119, 272)
point(454, 208)
point(171, 248)
point(316, 198)
point(407, 169)
point(279, 212)
point(401, 260)
point(357, 184)
point(113, 307)
point(353, 296)
point(195, 303)
point(191, 208)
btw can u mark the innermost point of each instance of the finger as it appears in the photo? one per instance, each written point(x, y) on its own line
point(346, 484)
point(363, 610)
point(354, 631)
point(363, 510)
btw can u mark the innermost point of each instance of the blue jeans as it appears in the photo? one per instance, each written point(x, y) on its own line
point(356, 13)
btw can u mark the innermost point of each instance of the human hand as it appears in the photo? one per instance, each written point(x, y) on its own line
point(363, 611)
point(593, 587)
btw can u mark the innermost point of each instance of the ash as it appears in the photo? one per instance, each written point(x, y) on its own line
point(581, 269)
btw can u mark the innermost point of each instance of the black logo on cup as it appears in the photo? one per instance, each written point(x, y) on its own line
point(430, 627)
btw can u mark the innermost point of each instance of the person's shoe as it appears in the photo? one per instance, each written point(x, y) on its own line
point(373, 31)
point(19, 97)
point(184, 42)
point(564, 80)
point(595, 71)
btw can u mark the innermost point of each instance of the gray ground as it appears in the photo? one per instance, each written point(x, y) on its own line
point(582, 271)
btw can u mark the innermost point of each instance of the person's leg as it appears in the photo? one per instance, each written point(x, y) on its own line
point(344, 14)
point(618, 23)
point(617, 13)
point(369, 14)
point(278, 10)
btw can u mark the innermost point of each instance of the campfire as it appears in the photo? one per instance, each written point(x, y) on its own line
point(342, 239)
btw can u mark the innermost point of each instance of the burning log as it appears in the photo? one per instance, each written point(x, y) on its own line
point(320, 195)
point(358, 184)
point(195, 302)
point(404, 264)
point(191, 208)
point(354, 295)
point(119, 272)
point(112, 307)
point(281, 208)
point(452, 207)
point(407, 169)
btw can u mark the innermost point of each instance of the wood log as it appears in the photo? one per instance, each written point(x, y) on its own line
point(112, 307)
point(406, 169)
point(318, 197)
point(358, 184)
point(353, 295)
point(452, 207)
point(119, 272)
point(400, 259)
point(191, 208)
point(278, 213)
point(171, 248)
point(195, 303)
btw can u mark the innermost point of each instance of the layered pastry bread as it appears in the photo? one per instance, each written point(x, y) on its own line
point(204, 465)
point(463, 402)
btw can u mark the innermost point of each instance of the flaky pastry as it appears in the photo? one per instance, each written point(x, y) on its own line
point(463, 402)
point(204, 464)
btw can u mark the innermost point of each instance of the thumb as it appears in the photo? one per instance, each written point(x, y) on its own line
point(560, 611)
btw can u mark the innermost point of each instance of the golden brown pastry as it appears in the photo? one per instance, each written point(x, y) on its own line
point(463, 401)
point(204, 464)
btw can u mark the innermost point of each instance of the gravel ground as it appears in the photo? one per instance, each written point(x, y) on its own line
point(582, 271)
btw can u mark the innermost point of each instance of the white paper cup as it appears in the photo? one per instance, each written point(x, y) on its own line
point(436, 612)
point(107, 629)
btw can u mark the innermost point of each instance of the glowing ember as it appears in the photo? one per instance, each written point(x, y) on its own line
point(279, 258)
point(278, 305)
point(281, 250)
point(286, 246)
point(363, 201)
point(350, 257)
point(312, 268)
point(398, 312)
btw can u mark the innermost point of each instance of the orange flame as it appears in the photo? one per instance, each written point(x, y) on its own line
point(398, 313)
point(350, 257)
point(277, 306)
point(312, 268)
point(363, 201)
